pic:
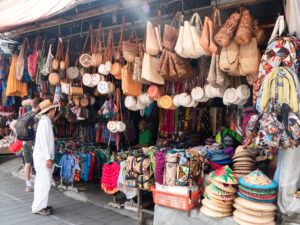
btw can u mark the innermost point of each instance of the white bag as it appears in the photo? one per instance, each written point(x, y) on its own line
point(65, 88)
point(151, 70)
point(152, 46)
point(179, 44)
point(47, 67)
point(196, 34)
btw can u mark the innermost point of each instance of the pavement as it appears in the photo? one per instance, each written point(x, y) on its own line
point(15, 205)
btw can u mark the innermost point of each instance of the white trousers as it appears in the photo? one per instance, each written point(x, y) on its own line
point(42, 185)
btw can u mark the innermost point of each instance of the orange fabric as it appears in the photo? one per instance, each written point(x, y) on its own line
point(15, 87)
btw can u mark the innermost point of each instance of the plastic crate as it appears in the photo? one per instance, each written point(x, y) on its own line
point(176, 201)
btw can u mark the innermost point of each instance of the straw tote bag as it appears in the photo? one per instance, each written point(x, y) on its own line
point(130, 48)
point(151, 69)
point(229, 58)
point(244, 31)
point(85, 59)
point(116, 67)
point(249, 58)
point(56, 60)
point(227, 31)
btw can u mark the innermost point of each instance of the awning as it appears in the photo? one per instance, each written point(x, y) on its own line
point(18, 12)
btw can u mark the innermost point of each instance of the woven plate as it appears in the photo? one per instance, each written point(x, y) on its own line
point(259, 206)
point(252, 212)
point(212, 206)
point(253, 219)
point(208, 212)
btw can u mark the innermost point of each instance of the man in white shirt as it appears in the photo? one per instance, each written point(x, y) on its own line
point(43, 156)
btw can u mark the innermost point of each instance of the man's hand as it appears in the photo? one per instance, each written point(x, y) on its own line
point(50, 163)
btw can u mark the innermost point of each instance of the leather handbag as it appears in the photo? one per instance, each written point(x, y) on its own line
point(227, 31)
point(244, 31)
point(129, 86)
point(204, 39)
point(56, 60)
point(76, 90)
point(66, 63)
point(32, 59)
point(85, 59)
point(97, 51)
point(130, 48)
point(137, 69)
point(170, 34)
point(151, 69)
point(183, 67)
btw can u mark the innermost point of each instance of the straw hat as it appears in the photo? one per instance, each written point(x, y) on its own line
point(45, 106)
point(259, 206)
point(243, 92)
point(243, 163)
point(210, 205)
point(197, 93)
point(166, 102)
point(224, 187)
point(230, 96)
point(130, 102)
point(258, 180)
point(240, 151)
point(218, 201)
point(242, 222)
point(257, 191)
point(243, 159)
point(176, 102)
point(208, 212)
point(224, 175)
point(253, 219)
point(184, 99)
point(252, 212)
point(220, 197)
point(215, 190)
point(258, 197)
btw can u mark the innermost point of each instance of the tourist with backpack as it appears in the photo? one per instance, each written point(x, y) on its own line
point(25, 128)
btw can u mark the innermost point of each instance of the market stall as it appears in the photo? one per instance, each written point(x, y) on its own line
point(192, 112)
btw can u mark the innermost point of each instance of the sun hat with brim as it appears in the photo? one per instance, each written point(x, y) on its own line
point(197, 93)
point(242, 154)
point(224, 175)
point(243, 167)
point(258, 191)
point(243, 163)
point(45, 106)
point(243, 92)
point(214, 189)
point(223, 186)
point(211, 213)
point(258, 180)
point(253, 199)
point(258, 197)
point(259, 206)
point(230, 95)
point(253, 219)
point(253, 212)
point(242, 171)
point(210, 205)
point(242, 222)
point(220, 197)
point(218, 201)
point(166, 102)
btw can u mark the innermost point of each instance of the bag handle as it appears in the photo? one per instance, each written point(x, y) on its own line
point(67, 57)
point(197, 21)
point(109, 47)
point(120, 48)
point(279, 28)
point(90, 35)
point(216, 17)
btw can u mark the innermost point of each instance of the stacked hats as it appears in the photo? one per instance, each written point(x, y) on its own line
point(219, 195)
point(254, 206)
point(256, 186)
point(243, 162)
point(253, 213)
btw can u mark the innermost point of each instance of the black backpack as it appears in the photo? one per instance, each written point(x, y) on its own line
point(25, 127)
